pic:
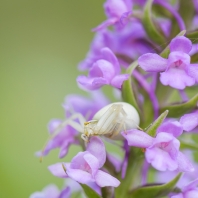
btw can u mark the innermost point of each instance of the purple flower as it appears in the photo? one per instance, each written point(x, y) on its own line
point(101, 40)
point(51, 191)
point(162, 151)
point(189, 121)
point(84, 167)
point(127, 44)
point(63, 140)
point(166, 176)
point(105, 71)
point(177, 71)
point(68, 135)
point(189, 191)
point(172, 127)
point(85, 106)
point(114, 10)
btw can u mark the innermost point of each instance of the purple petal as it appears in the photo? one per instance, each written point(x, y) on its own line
point(193, 71)
point(84, 105)
point(104, 179)
point(102, 68)
point(160, 159)
point(93, 163)
point(115, 160)
point(180, 195)
point(50, 191)
point(189, 121)
point(191, 193)
point(91, 83)
point(163, 153)
point(78, 162)
point(97, 148)
point(165, 25)
point(181, 43)
point(105, 24)
point(79, 175)
point(65, 146)
point(109, 56)
point(76, 103)
point(176, 78)
point(184, 164)
point(137, 138)
point(95, 187)
point(174, 128)
point(125, 18)
point(115, 8)
point(57, 170)
point(178, 59)
point(118, 80)
point(191, 185)
point(37, 195)
point(65, 193)
point(163, 137)
point(53, 124)
point(152, 62)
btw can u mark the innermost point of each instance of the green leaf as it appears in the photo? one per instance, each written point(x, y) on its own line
point(149, 26)
point(127, 89)
point(188, 145)
point(157, 190)
point(166, 51)
point(180, 109)
point(90, 192)
point(147, 110)
point(153, 128)
point(194, 57)
point(107, 192)
point(186, 15)
point(193, 36)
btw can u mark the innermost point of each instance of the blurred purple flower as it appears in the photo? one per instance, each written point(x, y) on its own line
point(105, 71)
point(162, 151)
point(189, 191)
point(114, 10)
point(62, 140)
point(189, 121)
point(115, 160)
point(166, 176)
point(85, 106)
point(172, 127)
point(178, 72)
point(51, 191)
point(127, 44)
point(68, 135)
point(84, 167)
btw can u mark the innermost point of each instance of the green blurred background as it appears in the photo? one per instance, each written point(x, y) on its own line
point(41, 43)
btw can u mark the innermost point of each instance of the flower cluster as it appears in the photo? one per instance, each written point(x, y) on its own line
point(177, 70)
point(150, 56)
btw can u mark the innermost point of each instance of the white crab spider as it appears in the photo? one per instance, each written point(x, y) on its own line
point(108, 121)
point(111, 120)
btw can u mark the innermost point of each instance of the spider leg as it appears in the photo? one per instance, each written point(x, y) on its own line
point(119, 129)
point(104, 124)
point(70, 121)
point(122, 123)
point(119, 121)
point(125, 129)
point(124, 113)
